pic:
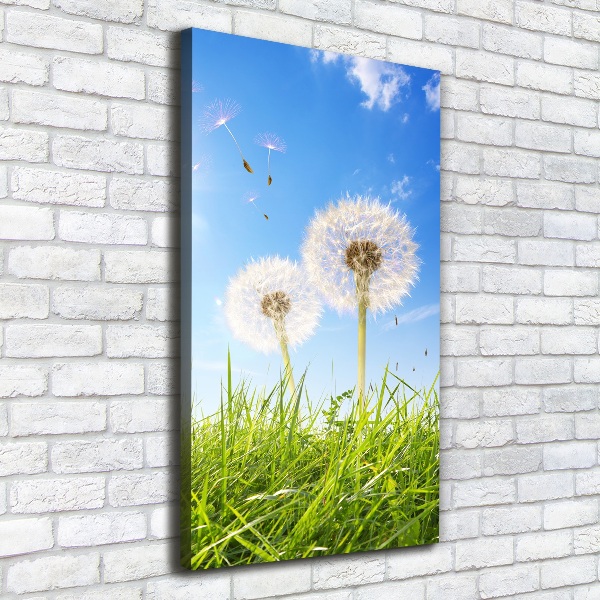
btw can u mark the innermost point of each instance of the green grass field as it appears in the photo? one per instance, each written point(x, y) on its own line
point(277, 479)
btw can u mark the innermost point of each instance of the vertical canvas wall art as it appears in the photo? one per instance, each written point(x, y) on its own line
point(310, 302)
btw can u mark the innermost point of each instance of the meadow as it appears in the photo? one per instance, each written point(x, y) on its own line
point(277, 477)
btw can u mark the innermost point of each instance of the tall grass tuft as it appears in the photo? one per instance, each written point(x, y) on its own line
point(276, 478)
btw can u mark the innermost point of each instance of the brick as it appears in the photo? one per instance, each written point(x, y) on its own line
point(570, 513)
point(458, 94)
point(53, 572)
point(484, 249)
point(97, 303)
point(535, 136)
point(545, 429)
point(483, 434)
point(26, 223)
point(586, 540)
point(137, 489)
point(544, 311)
point(213, 586)
point(543, 18)
point(3, 181)
point(587, 426)
point(511, 401)
point(383, 591)
point(512, 461)
point(587, 483)
point(513, 519)
point(22, 381)
point(452, 31)
point(24, 536)
point(97, 456)
point(539, 546)
point(475, 554)
point(586, 26)
point(162, 160)
point(587, 255)
point(144, 47)
point(427, 57)
point(108, 528)
point(571, 111)
point(460, 278)
point(136, 416)
point(57, 110)
point(163, 379)
point(570, 399)
point(147, 341)
point(570, 169)
point(545, 486)
point(587, 143)
point(509, 341)
point(122, 11)
point(577, 340)
point(21, 67)
point(459, 218)
point(4, 104)
point(24, 301)
point(144, 122)
point(163, 88)
point(25, 458)
point(459, 341)
point(511, 163)
point(165, 232)
point(97, 228)
point(48, 418)
point(329, 574)
point(38, 341)
point(484, 66)
point(161, 523)
point(140, 267)
point(536, 76)
point(339, 12)
point(538, 370)
point(42, 4)
point(482, 129)
point(457, 587)
point(23, 144)
point(587, 311)
point(460, 465)
point(273, 28)
point(484, 309)
point(568, 571)
point(509, 102)
point(97, 379)
point(141, 194)
point(98, 154)
point(54, 262)
point(491, 192)
point(477, 372)
point(458, 525)
point(54, 495)
point(44, 31)
point(542, 252)
point(512, 222)
point(554, 195)
point(419, 562)
point(501, 11)
point(162, 305)
point(570, 53)
point(462, 158)
point(446, 6)
point(58, 187)
point(508, 581)
point(587, 85)
point(161, 452)
point(169, 16)
point(106, 592)
point(570, 455)
point(511, 280)
point(587, 370)
point(511, 41)
point(562, 282)
point(97, 77)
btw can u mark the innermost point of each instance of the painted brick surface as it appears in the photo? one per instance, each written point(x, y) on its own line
point(89, 297)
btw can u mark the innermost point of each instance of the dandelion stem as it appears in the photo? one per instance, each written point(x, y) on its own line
point(270, 179)
point(288, 373)
point(362, 350)
point(246, 165)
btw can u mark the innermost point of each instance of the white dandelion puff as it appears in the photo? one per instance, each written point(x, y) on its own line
point(360, 253)
point(271, 142)
point(269, 305)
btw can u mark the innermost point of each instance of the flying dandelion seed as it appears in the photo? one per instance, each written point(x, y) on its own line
point(359, 253)
point(203, 165)
point(269, 304)
point(196, 87)
point(220, 112)
point(271, 142)
point(251, 198)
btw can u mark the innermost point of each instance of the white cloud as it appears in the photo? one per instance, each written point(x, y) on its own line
point(400, 188)
point(391, 158)
point(432, 92)
point(405, 118)
point(412, 316)
point(381, 82)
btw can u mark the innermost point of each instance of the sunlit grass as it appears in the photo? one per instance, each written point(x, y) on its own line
point(276, 479)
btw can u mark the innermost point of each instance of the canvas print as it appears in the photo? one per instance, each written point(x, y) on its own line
point(310, 309)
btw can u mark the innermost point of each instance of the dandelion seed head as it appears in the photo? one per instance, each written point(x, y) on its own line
point(218, 113)
point(266, 294)
point(250, 197)
point(270, 141)
point(360, 248)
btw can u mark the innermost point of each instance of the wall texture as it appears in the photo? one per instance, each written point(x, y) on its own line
point(88, 295)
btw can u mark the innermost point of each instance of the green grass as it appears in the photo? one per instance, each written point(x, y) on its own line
point(275, 479)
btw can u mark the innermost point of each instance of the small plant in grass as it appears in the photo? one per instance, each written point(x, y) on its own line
point(269, 305)
point(359, 253)
point(274, 478)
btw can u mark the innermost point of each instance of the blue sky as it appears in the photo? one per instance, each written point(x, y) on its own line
point(350, 125)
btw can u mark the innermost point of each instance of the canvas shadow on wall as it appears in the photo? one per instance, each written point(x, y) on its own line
point(310, 302)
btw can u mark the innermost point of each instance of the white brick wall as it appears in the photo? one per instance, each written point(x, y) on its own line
point(89, 303)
